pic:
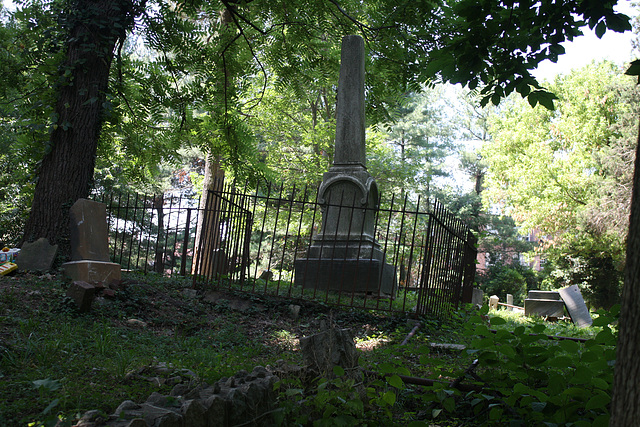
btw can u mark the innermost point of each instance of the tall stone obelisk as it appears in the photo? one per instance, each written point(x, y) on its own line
point(344, 254)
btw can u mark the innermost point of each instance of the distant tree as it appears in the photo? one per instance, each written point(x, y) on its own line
point(567, 174)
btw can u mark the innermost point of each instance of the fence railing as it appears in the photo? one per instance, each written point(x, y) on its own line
point(152, 233)
point(250, 240)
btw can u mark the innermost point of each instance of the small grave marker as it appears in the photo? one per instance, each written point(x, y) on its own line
point(37, 256)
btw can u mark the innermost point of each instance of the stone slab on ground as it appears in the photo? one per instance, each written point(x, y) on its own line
point(575, 306)
point(82, 294)
point(37, 256)
point(535, 294)
point(544, 307)
point(94, 272)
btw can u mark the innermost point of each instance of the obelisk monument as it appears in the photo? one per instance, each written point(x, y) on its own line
point(344, 255)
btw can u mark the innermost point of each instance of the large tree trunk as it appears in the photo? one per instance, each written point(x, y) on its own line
point(625, 404)
point(66, 172)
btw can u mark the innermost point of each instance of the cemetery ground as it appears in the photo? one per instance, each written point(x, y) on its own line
point(152, 332)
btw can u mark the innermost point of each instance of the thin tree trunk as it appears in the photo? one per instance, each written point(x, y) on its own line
point(625, 404)
point(208, 236)
point(66, 170)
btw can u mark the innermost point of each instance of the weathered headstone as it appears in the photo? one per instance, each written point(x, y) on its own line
point(575, 306)
point(332, 347)
point(90, 245)
point(493, 302)
point(37, 256)
point(509, 302)
point(345, 255)
point(89, 233)
point(477, 297)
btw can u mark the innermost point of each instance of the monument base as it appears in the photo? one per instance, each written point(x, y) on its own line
point(544, 307)
point(346, 275)
point(93, 272)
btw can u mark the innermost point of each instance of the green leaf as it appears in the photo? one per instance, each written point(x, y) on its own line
point(395, 381)
point(389, 398)
point(52, 405)
point(601, 321)
point(449, 404)
point(618, 22)
point(48, 384)
point(435, 412)
point(600, 383)
point(560, 362)
point(599, 401)
point(605, 337)
point(546, 100)
point(538, 406)
point(338, 371)
point(569, 346)
point(538, 329)
point(600, 29)
point(497, 321)
point(386, 368)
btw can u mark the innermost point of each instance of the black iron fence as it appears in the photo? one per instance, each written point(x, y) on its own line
point(152, 233)
point(251, 240)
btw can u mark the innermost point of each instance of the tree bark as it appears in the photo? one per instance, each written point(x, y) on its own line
point(66, 171)
point(625, 404)
point(204, 250)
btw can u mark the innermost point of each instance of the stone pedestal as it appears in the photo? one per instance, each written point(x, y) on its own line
point(544, 307)
point(347, 275)
point(94, 272)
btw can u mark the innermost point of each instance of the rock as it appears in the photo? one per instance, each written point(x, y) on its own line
point(190, 293)
point(136, 323)
point(294, 310)
point(193, 413)
point(160, 417)
point(82, 294)
point(333, 347)
point(127, 405)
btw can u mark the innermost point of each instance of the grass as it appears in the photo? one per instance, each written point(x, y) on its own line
point(55, 361)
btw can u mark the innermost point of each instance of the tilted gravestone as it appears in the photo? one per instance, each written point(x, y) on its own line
point(575, 306)
point(345, 255)
point(90, 245)
point(37, 256)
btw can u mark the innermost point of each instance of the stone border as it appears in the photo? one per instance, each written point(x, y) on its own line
point(244, 399)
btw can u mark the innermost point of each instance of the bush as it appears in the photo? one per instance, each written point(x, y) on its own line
point(502, 279)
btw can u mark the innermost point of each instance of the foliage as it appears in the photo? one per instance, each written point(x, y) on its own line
point(592, 264)
point(501, 279)
point(535, 380)
point(567, 174)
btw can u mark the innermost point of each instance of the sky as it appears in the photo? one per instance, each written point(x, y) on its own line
point(583, 50)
